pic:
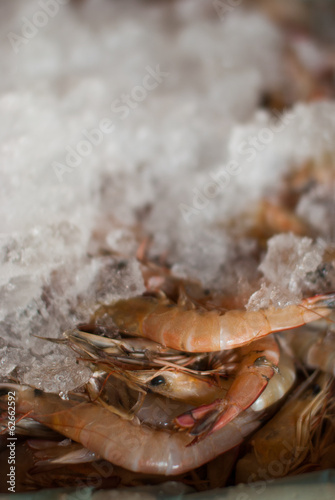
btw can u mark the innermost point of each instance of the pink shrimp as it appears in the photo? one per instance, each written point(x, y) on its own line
point(138, 448)
point(183, 327)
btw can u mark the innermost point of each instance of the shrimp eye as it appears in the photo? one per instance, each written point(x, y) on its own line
point(159, 380)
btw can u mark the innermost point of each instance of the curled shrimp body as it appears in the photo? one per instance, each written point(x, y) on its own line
point(250, 387)
point(138, 448)
point(183, 327)
point(258, 364)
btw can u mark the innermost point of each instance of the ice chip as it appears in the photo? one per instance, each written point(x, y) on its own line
point(286, 267)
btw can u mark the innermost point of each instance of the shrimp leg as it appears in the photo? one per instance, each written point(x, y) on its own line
point(185, 328)
point(259, 363)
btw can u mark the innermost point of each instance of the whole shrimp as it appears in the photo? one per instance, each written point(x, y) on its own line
point(183, 327)
point(135, 447)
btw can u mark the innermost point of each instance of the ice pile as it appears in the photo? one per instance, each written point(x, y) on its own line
point(181, 88)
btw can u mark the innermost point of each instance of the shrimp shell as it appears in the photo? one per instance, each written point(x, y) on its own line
point(188, 329)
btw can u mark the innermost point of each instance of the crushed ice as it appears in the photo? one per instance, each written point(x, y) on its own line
point(68, 237)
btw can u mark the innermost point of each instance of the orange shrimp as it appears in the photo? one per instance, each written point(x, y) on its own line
point(183, 327)
point(138, 448)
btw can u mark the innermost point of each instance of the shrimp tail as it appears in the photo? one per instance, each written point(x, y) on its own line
point(259, 363)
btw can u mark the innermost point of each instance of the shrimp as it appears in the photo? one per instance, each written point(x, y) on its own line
point(160, 279)
point(280, 384)
point(285, 442)
point(275, 218)
point(180, 385)
point(201, 390)
point(315, 349)
point(138, 448)
point(185, 328)
point(258, 365)
point(141, 448)
point(217, 406)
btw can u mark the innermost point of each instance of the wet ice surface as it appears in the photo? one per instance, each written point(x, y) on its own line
point(68, 237)
point(288, 266)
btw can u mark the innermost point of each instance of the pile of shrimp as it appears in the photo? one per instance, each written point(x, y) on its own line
point(186, 383)
point(184, 387)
